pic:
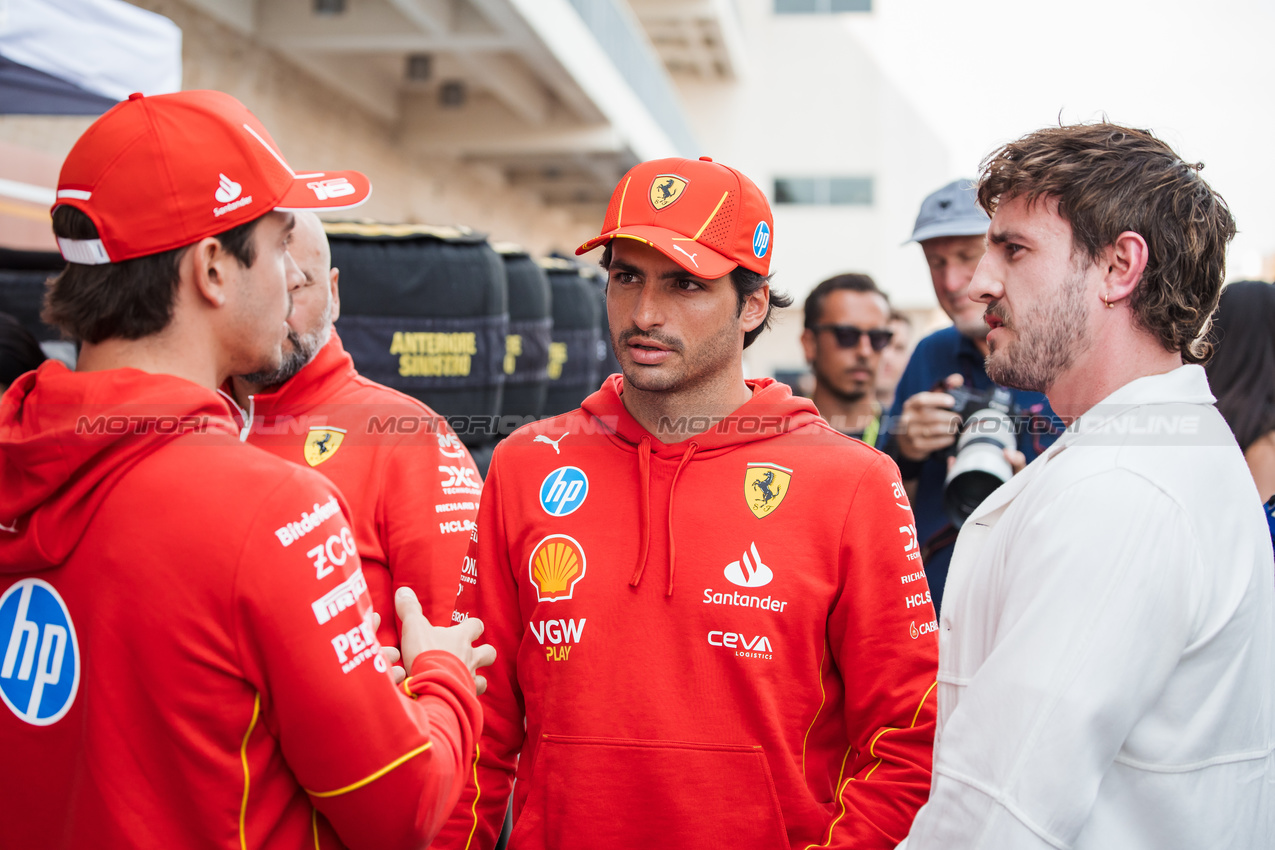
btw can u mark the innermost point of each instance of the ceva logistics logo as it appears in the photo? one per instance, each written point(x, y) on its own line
point(40, 660)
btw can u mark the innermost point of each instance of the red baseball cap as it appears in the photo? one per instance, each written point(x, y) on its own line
point(158, 173)
point(706, 217)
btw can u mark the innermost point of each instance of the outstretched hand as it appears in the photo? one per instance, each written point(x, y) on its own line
point(418, 635)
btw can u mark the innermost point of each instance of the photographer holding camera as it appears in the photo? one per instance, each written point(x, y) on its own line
point(945, 388)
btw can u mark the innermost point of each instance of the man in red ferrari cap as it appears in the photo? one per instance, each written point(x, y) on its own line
point(711, 621)
point(316, 409)
point(187, 654)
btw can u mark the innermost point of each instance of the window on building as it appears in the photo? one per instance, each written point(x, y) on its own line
point(824, 191)
point(820, 7)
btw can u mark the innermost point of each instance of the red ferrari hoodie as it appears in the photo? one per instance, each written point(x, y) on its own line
point(726, 641)
point(412, 486)
point(174, 673)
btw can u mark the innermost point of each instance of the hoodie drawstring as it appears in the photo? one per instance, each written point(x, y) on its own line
point(245, 416)
point(644, 509)
point(672, 543)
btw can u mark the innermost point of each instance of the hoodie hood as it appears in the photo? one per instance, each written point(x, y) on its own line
point(771, 411)
point(66, 439)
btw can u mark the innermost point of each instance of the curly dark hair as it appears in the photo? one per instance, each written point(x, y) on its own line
point(1109, 179)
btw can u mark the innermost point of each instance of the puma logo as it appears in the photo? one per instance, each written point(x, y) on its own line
point(541, 438)
point(692, 256)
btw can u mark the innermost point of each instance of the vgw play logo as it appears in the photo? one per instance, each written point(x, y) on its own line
point(40, 667)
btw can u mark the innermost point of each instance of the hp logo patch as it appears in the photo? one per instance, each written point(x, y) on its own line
point(761, 239)
point(563, 490)
point(40, 667)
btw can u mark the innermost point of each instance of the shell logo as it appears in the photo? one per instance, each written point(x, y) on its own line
point(555, 565)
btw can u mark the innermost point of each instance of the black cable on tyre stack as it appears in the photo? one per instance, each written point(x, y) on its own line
point(526, 362)
point(425, 310)
point(573, 354)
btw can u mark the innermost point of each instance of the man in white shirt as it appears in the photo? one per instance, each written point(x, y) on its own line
point(1107, 641)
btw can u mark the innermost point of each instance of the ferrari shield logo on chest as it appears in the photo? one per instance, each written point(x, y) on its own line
point(322, 443)
point(765, 486)
point(666, 189)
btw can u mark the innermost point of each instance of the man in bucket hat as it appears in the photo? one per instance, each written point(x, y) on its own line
point(922, 427)
point(187, 654)
point(711, 621)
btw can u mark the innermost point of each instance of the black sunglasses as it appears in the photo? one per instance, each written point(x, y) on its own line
point(848, 336)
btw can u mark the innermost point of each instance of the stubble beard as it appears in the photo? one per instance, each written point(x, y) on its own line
point(1048, 340)
point(686, 374)
point(301, 350)
point(822, 379)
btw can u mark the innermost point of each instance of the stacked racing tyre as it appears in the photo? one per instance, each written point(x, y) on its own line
point(526, 363)
point(607, 364)
point(425, 310)
point(574, 370)
point(22, 286)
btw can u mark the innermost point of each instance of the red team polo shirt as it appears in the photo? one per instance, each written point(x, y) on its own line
point(412, 486)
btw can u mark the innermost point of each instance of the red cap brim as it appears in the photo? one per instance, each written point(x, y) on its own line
point(695, 257)
point(326, 190)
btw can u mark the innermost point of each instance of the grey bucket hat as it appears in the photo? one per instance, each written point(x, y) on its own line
point(951, 211)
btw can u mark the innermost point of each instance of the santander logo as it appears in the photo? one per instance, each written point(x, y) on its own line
point(227, 190)
point(749, 573)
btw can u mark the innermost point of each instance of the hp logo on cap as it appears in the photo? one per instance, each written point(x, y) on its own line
point(564, 490)
point(761, 239)
point(39, 654)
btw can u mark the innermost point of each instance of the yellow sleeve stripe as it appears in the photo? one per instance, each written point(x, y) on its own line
point(872, 752)
point(712, 216)
point(922, 703)
point(822, 698)
point(841, 788)
point(478, 792)
point(354, 786)
point(243, 757)
point(314, 825)
point(619, 214)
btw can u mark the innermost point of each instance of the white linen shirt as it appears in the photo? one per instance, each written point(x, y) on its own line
point(1107, 643)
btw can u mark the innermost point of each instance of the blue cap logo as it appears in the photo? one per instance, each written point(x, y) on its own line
point(39, 656)
point(761, 239)
point(563, 490)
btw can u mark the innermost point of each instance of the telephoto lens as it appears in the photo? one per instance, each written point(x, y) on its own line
point(980, 466)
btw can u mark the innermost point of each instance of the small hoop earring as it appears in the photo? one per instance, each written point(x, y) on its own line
point(1108, 303)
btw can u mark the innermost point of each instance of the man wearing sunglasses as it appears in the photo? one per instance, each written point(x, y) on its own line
point(846, 329)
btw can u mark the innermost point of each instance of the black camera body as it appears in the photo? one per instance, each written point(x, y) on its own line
point(987, 429)
point(969, 401)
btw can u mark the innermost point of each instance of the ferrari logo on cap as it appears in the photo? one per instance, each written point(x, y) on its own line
point(765, 486)
point(322, 443)
point(666, 189)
